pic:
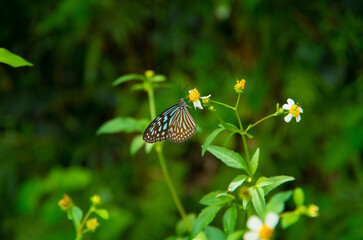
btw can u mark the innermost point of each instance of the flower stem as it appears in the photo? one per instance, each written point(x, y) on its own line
point(159, 151)
point(176, 199)
point(79, 232)
point(261, 120)
point(223, 104)
point(243, 136)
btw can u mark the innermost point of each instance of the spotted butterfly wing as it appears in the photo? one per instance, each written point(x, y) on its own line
point(175, 124)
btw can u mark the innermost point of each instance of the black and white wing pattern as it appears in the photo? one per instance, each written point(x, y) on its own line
point(175, 124)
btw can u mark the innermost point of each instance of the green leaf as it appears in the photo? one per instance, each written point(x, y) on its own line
point(136, 144)
point(277, 202)
point(228, 138)
point(77, 215)
point(263, 181)
point(214, 233)
point(217, 197)
point(204, 218)
point(254, 161)
point(249, 135)
point(258, 201)
point(103, 213)
point(228, 157)
point(229, 220)
point(158, 78)
point(121, 124)
point(237, 235)
point(128, 77)
point(148, 147)
point(236, 182)
point(277, 181)
point(299, 197)
point(231, 128)
point(210, 139)
point(12, 59)
point(181, 228)
point(138, 87)
point(288, 219)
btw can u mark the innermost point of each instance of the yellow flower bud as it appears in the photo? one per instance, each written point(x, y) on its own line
point(95, 199)
point(239, 86)
point(65, 203)
point(92, 224)
point(149, 73)
point(313, 210)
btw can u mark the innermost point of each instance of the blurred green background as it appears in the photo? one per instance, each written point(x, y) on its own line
point(311, 51)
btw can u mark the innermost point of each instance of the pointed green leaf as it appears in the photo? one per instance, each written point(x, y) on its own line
point(277, 181)
point(210, 139)
point(237, 235)
point(103, 213)
point(204, 218)
point(128, 77)
point(217, 197)
point(121, 124)
point(229, 220)
point(299, 197)
point(254, 161)
point(138, 87)
point(228, 157)
point(277, 202)
point(258, 201)
point(263, 181)
point(77, 215)
point(213, 233)
point(249, 135)
point(288, 219)
point(12, 59)
point(236, 182)
point(158, 78)
point(136, 144)
point(148, 147)
point(228, 138)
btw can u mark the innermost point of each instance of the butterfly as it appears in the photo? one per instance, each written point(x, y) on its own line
point(175, 124)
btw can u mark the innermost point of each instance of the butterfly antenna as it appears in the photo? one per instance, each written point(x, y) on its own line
point(183, 90)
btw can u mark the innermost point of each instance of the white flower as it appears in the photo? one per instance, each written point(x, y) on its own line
point(194, 96)
point(261, 230)
point(294, 110)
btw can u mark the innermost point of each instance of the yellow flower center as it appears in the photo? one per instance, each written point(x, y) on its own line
point(95, 199)
point(194, 95)
point(240, 85)
point(313, 210)
point(265, 232)
point(295, 111)
point(92, 224)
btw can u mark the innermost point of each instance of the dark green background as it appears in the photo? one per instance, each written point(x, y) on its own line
point(311, 51)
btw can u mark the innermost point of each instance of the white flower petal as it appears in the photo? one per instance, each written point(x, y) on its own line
point(197, 105)
point(254, 223)
point(288, 117)
point(206, 96)
point(300, 109)
point(298, 118)
point(286, 106)
point(251, 236)
point(290, 102)
point(271, 220)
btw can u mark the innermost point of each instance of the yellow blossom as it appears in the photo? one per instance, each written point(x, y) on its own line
point(65, 203)
point(239, 86)
point(92, 224)
point(95, 199)
point(194, 95)
point(149, 73)
point(313, 210)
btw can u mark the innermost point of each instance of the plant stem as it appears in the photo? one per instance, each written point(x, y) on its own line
point(259, 121)
point(159, 151)
point(223, 104)
point(171, 187)
point(243, 137)
point(79, 232)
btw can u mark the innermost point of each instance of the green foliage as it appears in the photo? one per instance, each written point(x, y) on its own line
point(12, 59)
point(120, 124)
point(228, 157)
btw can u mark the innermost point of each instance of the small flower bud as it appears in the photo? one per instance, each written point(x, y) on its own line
point(244, 193)
point(149, 73)
point(313, 210)
point(65, 203)
point(95, 199)
point(239, 86)
point(92, 224)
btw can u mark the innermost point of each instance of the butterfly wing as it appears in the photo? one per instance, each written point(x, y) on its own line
point(158, 128)
point(182, 126)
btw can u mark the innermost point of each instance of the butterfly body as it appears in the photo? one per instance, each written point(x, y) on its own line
point(174, 124)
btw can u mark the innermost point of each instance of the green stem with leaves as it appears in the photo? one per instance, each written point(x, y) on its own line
point(159, 151)
point(79, 231)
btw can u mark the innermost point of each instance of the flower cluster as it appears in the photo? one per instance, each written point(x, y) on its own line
point(194, 97)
